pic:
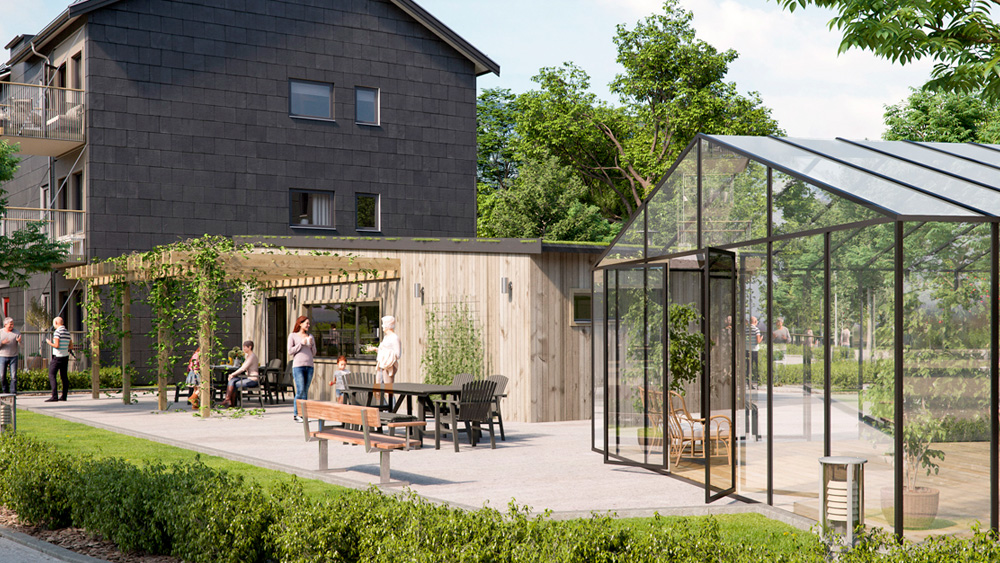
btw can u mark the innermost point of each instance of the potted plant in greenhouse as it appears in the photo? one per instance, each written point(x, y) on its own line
point(920, 431)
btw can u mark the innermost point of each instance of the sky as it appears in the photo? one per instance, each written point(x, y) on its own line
point(790, 59)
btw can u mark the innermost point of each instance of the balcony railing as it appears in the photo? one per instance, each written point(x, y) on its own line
point(63, 225)
point(30, 113)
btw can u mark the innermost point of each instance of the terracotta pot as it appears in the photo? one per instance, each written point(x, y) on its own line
point(920, 507)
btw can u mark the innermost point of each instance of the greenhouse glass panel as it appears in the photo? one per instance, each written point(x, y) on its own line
point(598, 342)
point(800, 206)
point(629, 415)
point(797, 338)
point(883, 194)
point(673, 209)
point(734, 197)
point(630, 244)
point(988, 154)
point(944, 185)
point(946, 383)
point(943, 161)
point(751, 419)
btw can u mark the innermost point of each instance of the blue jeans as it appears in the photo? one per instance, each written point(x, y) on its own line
point(12, 362)
point(302, 376)
point(243, 382)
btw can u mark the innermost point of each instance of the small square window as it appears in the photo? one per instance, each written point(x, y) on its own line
point(366, 105)
point(310, 99)
point(582, 314)
point(368, 212)
point(310, 209)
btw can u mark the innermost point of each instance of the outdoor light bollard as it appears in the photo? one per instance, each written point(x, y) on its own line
point(8, 412)
point(842, 494)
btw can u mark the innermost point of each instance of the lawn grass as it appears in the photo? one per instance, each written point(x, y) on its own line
point(77, 439)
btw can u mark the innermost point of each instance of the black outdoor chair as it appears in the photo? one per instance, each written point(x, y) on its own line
point(269, 379)
point(255, 392)
point(362, 398)
point(474, 408)
point(501, 381)
point(283, 383)
point(462, 379)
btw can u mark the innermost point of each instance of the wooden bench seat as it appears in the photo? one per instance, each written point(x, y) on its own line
point(365, 418)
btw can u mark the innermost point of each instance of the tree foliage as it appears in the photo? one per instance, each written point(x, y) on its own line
point(27, 250)
point(495, 124)
point(672, 87)
point(546, 201)
point(944, 117)
point(962, 38)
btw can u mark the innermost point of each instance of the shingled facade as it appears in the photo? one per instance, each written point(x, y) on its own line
point(208, 116)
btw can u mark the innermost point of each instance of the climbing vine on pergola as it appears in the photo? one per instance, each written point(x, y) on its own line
point(202, 273)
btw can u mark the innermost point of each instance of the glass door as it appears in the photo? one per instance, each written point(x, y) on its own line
point(718, 397)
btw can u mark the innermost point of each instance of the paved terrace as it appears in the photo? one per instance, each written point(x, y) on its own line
point(546, 466)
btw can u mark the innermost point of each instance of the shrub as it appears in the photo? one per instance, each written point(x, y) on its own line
point(38, 379)
point(36, 481)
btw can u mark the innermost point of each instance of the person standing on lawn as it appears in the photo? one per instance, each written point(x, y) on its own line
point(61, 347)
point(10, 343)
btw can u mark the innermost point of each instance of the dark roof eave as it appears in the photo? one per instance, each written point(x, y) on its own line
point(482, 63)
point(49, 31)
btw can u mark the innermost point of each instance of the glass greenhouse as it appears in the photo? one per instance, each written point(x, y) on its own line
point(778, 300)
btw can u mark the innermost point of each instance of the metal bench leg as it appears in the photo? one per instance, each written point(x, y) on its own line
point(383, 467)
point(324, 450)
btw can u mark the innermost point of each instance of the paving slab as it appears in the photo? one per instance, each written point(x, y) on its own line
point(544, 466)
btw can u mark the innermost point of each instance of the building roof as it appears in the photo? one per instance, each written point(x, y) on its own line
point(482, 63)
point(716, 193)
point(901, 178)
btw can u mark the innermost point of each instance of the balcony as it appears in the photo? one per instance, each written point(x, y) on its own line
point(44, 120)
point(63, 225)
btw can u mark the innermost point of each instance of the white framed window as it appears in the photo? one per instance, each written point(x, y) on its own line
point(368, 212)
point(366, 105)
point(310, 99)
point(310, 209)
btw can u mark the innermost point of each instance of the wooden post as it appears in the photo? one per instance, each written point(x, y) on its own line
point(126, 343)
point(205, 341)
point(162, 359)
point(93, 297)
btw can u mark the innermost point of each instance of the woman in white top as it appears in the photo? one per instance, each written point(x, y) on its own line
point(387, 361)
point(247, 376)
point(302, 350)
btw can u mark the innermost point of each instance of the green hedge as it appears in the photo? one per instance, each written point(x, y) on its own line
point(38, 379)
point(196, 513)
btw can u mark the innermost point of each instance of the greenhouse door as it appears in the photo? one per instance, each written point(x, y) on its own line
point(718, 397)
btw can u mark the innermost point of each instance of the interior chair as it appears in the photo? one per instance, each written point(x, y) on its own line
point(473, 407)
point(687, 431)
point(269, 378)
point(501, 382)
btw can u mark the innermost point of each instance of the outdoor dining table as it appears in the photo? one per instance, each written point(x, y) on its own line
point(421, 391)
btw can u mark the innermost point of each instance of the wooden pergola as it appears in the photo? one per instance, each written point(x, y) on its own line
point(268, 268)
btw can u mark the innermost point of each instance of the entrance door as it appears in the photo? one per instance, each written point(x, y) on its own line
point(718, 397)
point(277, 329)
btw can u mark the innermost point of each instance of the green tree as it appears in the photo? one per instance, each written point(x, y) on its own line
point(961, 37)
point(944, 117)
point(28, 250)
point(544, 201)
point(496, 119)
point(672, 87)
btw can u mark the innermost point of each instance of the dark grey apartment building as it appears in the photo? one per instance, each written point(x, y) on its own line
point(142, 122)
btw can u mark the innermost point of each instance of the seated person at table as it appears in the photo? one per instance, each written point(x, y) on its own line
point(340, 380)
point(247, 376)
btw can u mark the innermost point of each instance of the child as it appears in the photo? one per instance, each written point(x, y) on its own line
point(340, 379)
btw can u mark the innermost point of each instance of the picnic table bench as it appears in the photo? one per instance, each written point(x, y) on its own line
point(364, 418)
